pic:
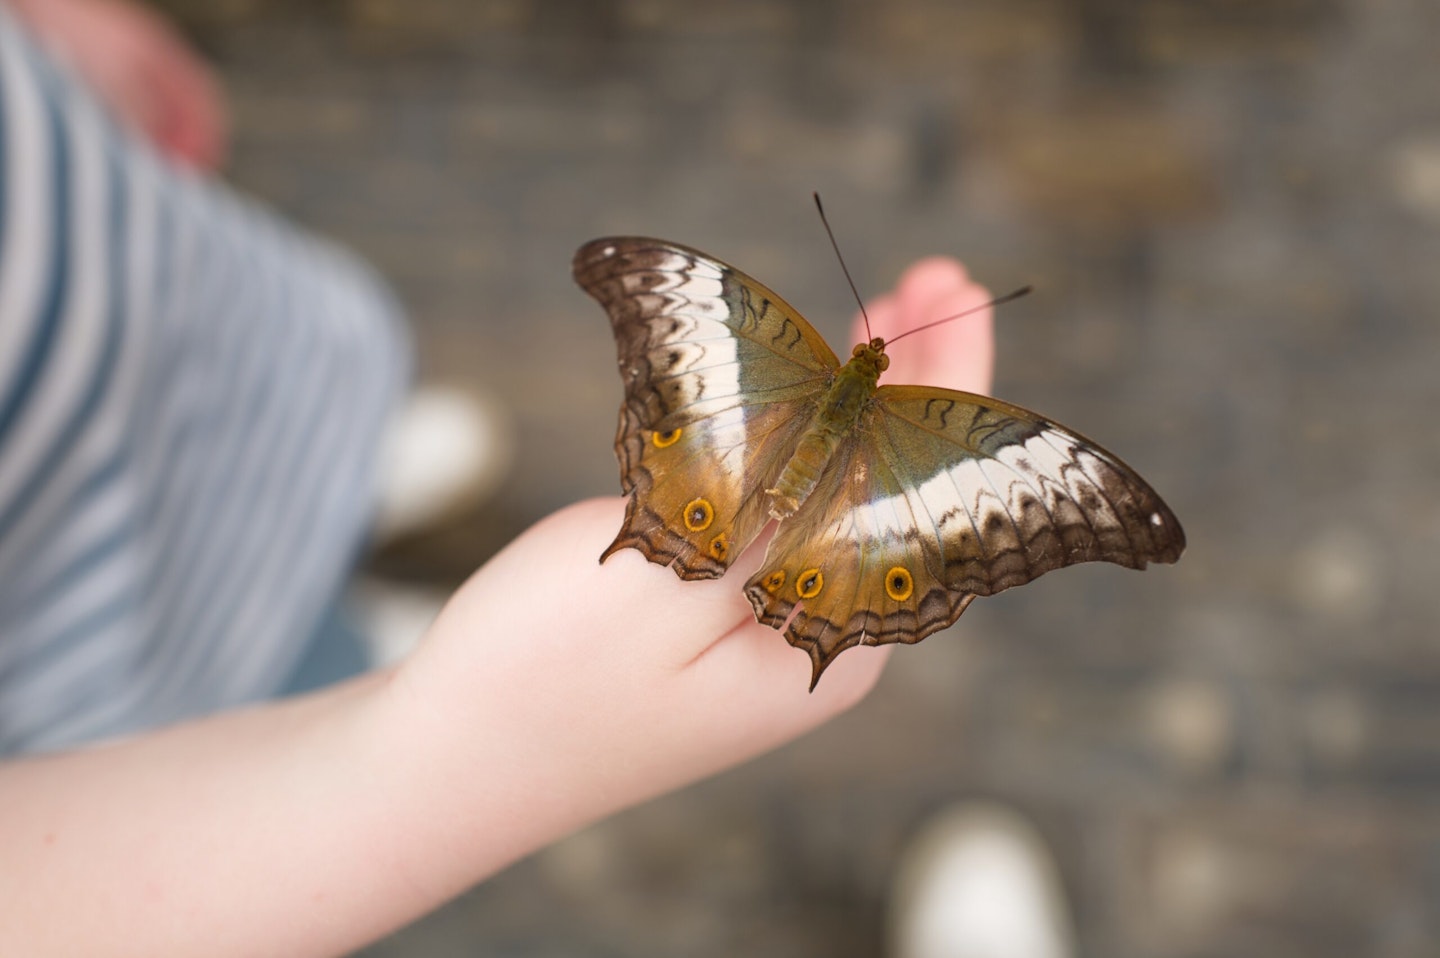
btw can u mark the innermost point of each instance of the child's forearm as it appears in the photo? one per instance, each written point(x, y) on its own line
point(284, 829)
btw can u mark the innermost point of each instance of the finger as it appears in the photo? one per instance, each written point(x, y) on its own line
point(755, 665)
point(703, 633)
point(956, 355)
point(640, 613)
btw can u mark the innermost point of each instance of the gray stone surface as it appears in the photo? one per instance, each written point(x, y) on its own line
point(1232, 215)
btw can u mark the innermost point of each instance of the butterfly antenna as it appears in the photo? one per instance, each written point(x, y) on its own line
point(998, 300)
point(836, 246)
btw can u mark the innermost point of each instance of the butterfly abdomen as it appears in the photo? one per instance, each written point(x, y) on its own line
point(837, 415)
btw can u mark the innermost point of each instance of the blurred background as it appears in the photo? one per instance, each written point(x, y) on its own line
point(1231, 212)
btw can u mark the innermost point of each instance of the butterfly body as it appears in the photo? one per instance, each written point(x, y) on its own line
point(897, 504)
point(840, 411)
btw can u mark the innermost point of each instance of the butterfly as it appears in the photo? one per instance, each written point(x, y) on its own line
point(897, 505)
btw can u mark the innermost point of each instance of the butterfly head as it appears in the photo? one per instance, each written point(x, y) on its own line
point(870, 357)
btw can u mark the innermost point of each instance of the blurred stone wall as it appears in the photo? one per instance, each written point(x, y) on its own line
point(1231, 211)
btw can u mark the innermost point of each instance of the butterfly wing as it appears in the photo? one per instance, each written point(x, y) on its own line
point(940, 496)
point(721, 375)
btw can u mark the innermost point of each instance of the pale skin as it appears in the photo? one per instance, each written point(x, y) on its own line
point(551, 692)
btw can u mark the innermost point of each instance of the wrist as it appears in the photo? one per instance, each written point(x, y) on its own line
point(465, 780)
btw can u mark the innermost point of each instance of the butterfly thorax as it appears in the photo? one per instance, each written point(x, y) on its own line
point(836, 416)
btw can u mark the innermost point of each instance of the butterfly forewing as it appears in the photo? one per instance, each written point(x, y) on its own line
point(697, 337)
point(1038, 489)
point(721, 376)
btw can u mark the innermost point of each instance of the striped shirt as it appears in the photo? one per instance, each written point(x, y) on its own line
point(191, 394)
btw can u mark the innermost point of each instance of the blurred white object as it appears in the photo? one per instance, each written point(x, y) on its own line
point(979, 882)
point(393, 616)
point(447, 450)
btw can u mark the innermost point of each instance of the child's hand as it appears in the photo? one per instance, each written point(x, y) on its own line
point(565, 690)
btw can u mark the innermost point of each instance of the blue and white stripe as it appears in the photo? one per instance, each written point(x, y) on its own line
point(191, 395)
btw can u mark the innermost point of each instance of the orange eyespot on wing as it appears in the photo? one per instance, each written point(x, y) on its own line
point(720, 547)
point(809, 583)
point(699, 513)
point(899, 584)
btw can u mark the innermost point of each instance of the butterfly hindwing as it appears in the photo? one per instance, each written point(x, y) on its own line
point(938, 497)
point(721, 376)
